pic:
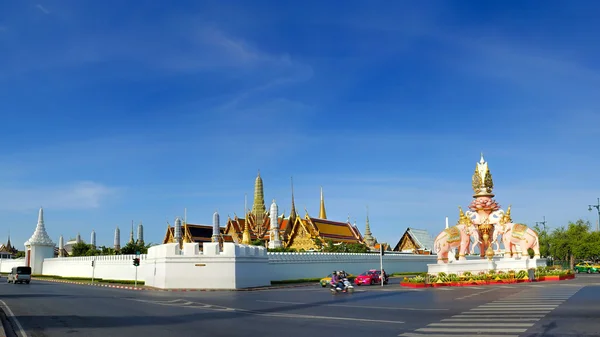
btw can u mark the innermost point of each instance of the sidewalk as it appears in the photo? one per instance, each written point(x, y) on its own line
point(143, 287)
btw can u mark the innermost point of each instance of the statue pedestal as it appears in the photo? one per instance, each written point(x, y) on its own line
point(480, 265)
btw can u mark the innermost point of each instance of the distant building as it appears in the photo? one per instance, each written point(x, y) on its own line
point(8, 251)
point(416, 241)
point(194, 233)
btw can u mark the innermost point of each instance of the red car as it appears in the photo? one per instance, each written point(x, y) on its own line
point(369, 277)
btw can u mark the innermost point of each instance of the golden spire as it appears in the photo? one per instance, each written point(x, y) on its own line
point(506, 218)
point(462, 218)
point(293, 211)
point(322, 213)
point(258, 208)
point(246, 235)
point(482, 182)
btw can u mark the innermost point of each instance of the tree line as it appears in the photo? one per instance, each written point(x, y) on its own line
point(86, 249)
point(570, 243)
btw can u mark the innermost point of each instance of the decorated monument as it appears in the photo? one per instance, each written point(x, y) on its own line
point(481, 226)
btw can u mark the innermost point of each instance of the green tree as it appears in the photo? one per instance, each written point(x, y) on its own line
point(134, 247)
point(258, 242)
point(107, 250)
point(574, 242)
point(19, 254)
point(81, 249)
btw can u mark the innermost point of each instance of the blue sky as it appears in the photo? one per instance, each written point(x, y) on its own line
point(116, 111)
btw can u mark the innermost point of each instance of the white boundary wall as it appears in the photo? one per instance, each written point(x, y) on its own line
point(278, 266)
point(292, 266)
point(236, 267)
point(6, 265)
point(110, 267)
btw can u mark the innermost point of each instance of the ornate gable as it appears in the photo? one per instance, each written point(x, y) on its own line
point(406, 243)
point(300, 236)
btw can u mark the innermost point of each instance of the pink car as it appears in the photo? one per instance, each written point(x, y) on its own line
point(369, 277)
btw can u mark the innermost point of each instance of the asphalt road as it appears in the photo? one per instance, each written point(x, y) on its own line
point(567, 308)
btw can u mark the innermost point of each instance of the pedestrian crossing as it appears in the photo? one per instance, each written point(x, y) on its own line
point(506, 317)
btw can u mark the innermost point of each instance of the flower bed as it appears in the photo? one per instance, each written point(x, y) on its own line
point(490, 278)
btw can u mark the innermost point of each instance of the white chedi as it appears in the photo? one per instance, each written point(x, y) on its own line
point(275, 240)
point(216, 227)
point(40, 237)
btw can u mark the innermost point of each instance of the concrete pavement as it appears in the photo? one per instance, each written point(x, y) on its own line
point(567, 308)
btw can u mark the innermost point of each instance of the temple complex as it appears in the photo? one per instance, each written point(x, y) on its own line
point(290, 231)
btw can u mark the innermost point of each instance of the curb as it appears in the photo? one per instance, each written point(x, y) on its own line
point(2, 330)
point(181, 290)
point(91, 284)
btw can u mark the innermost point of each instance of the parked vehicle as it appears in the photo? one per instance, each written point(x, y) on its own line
point(587, 267)
point(370, 277)
point(19, 275)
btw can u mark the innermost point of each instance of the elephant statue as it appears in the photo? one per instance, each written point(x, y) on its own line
point(518, 235)
point(458, 236)
point(479, 218)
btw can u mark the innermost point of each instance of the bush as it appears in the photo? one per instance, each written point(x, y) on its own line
point(302, 280)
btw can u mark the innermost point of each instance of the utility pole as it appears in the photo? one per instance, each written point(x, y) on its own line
point(543, 223)
point(597, 206)
point(93, 269)
point(381, 262)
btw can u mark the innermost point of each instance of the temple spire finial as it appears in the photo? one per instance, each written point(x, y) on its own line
point(322, 213)
point(482, 181)
point(293, 210)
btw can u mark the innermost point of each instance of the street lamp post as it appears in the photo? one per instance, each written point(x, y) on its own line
point(597, 206)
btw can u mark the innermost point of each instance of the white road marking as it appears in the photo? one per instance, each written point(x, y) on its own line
point(508, 316)
point(412, 334)
point(480, 319)
point(357, 306)
point(475, 294)
point(482, 324)
point(196, 305)
point(11, 316)
point(478, 330)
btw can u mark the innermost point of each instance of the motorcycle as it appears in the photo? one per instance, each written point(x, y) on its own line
point(348, 287)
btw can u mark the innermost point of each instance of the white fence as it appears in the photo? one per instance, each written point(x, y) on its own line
point(291, 266)
point(110, 267)
point(6, 265)
point(282, 266)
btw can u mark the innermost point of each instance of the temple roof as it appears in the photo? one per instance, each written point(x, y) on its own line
point(421, 238)
point(195, 233)
point(336, 231)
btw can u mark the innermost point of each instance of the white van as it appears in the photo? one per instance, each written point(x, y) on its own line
point(19, 275)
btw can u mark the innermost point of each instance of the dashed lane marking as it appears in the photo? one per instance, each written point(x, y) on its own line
point(210, 307)
point(355, 306)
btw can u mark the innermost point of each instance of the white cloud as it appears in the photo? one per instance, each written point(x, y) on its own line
point(42, 9)
point(80, 195)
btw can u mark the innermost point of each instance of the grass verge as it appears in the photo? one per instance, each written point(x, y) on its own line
point(85, 279)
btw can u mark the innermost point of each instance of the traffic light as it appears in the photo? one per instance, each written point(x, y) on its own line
point(381, 250)
point(136, 261)
point(92, 263)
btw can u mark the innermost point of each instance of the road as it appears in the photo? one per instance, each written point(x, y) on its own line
point(567, 308)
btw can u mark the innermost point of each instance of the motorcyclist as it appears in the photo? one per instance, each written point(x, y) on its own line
point(334, 279)
point(340, 283)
